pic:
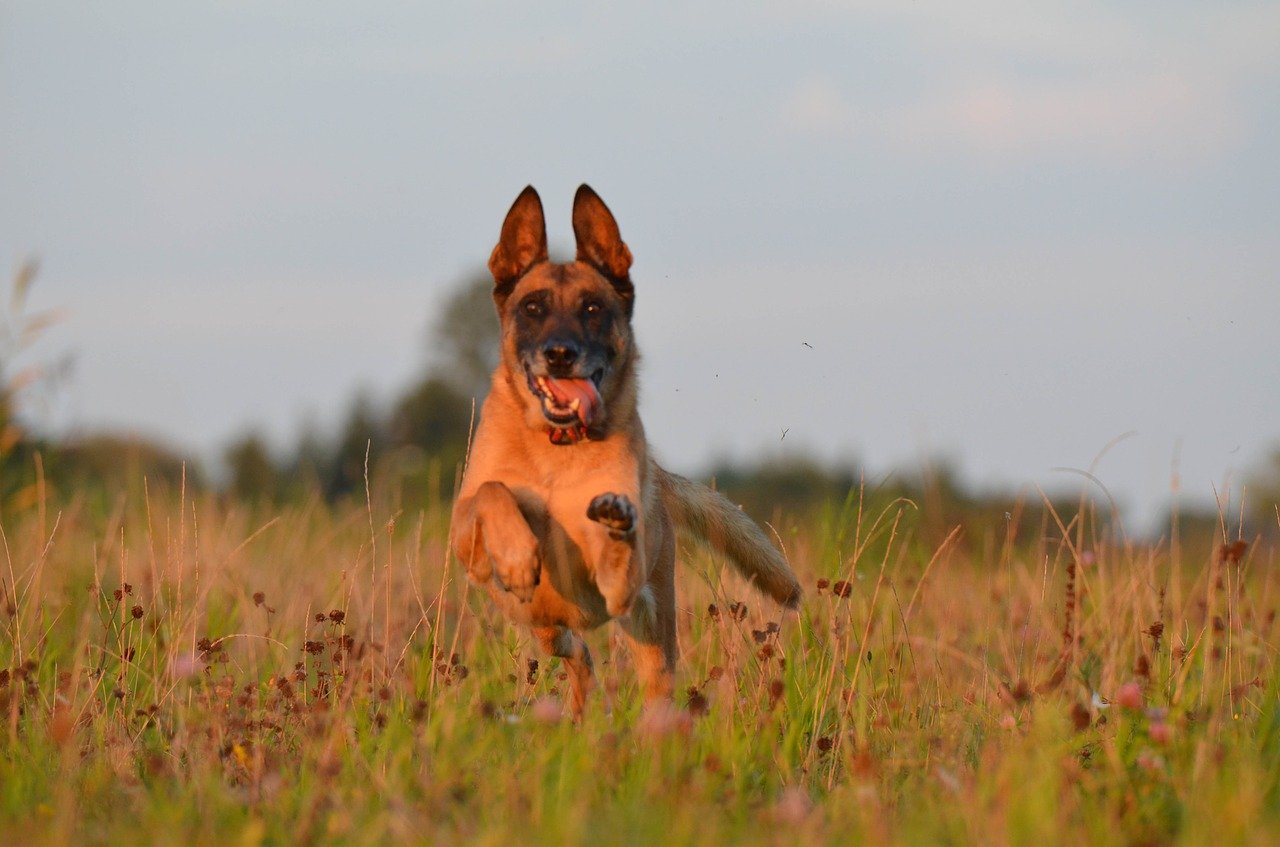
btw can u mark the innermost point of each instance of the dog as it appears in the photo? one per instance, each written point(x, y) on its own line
point(563, 515)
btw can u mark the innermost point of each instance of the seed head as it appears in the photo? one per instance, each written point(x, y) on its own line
point(698, 704)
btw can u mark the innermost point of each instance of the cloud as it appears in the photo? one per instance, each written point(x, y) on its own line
point(1158, 118)
point(817, 107)
point(1237, 37)
point(996, 80)
point(1154, 118)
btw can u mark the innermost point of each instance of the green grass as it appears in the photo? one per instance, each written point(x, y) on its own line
point(952, 695)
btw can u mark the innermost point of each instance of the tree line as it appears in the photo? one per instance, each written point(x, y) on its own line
point(416, 443)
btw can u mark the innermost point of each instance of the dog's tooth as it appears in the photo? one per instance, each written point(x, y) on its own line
point(574, 404)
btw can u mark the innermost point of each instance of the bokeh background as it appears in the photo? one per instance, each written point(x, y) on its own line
point(990, 236)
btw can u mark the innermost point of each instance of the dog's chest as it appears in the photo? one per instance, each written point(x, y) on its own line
point(553, 491)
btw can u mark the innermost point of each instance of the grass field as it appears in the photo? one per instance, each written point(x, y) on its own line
point(190, 670)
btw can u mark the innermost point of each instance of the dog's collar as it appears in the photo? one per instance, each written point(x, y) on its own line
point(570, 435)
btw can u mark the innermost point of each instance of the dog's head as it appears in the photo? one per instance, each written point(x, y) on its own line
point(566, 328)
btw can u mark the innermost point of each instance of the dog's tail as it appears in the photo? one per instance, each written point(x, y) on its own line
point(727, 529)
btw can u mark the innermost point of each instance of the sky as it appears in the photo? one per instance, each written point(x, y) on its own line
point(1003, 233)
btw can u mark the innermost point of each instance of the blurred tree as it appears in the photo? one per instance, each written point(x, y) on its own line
point(254, 476)
point(116, 461)
point(429, 428)
point(797, 483)
point(464, 337)
point(363, 437)
point(13, 335)
point(433, 416)
point(18, 330)
point(311, 460)
point(1263, 492)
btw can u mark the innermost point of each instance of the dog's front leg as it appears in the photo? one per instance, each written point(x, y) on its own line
point(491, 533)
point(616, 550)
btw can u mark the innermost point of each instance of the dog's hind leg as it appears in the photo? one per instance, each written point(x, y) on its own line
point(650, 628)
point(569, 646)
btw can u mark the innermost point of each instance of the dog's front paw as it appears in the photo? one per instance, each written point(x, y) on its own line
point(616, 513)
point(518, 567)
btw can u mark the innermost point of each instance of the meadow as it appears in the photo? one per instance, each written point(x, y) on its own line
point(191, 668)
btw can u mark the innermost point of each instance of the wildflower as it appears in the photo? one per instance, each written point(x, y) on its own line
point(662, 719)
point(547, 710)
point(1143, 667)
point(1233, 553)
point(793, 806)
point(1129, 696)
point(1151, 762)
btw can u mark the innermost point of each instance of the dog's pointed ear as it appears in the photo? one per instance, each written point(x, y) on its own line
point(523, 242)
point(599, 242)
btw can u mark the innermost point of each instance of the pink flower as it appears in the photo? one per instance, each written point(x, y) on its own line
point(793, 806)
point(1129, 696)
point(185, 666)
point(547, 710)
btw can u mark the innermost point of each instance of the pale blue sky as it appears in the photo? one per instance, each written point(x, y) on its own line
point(1009, 231)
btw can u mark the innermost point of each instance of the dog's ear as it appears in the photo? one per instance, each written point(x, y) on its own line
point(523, 242)
point(599, 242)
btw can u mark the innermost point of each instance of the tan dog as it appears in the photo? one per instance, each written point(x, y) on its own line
point(562, 515)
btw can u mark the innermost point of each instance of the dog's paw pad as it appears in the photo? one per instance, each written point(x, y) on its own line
point(615, 512)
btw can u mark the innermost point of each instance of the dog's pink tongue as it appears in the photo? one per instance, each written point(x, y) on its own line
point(582, 390)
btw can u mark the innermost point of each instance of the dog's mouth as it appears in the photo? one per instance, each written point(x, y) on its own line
point(568, 403)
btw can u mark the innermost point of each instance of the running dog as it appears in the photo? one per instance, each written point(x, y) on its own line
point(563, 515)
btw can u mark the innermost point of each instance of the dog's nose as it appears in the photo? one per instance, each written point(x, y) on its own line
point(560, 355)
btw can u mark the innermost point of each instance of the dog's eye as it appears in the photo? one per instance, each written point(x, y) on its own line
point(534, 309)
point(591, 308)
